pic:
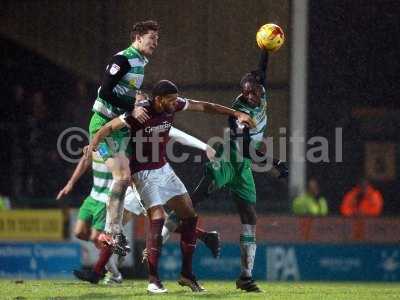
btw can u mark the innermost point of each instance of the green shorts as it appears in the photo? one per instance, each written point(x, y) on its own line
point(94, 212)
point(235, 173)
point(118, 141)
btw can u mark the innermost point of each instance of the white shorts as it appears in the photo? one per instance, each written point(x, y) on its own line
point(157, 187)
point(132, 202)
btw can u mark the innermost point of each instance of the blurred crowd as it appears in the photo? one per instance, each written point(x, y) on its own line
point(31, 121)
point(361, 200)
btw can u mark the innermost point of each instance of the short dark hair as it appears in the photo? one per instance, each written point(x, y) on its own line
point(248, 77)
point(141, 28)
point(254, 78)
point(164, 87)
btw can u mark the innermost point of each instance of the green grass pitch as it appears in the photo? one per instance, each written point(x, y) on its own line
point(136, 289)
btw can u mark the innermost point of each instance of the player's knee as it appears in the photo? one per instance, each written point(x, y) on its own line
point(81, 235)
point(121, 173)
point(95, 235)
point(251, 219)
point(187, 213)
point(119, 167)
point(188, 210)
point(191, 213)
point(124, 176)
point(156, 212)
point(119, 185)
point(97, 243)
point(248, 214)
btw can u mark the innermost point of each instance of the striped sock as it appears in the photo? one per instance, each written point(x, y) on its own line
point(115, 205)
point(247, 249)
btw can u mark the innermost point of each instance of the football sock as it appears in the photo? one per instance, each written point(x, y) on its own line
point(188, 244)
point(154, 248)
point(247, 249)
point(104, 256)
point(115, 206)
point(112, 266)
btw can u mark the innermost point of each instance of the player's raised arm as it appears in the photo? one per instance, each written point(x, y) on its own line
point(139, 114)
point(113, 125)
point(213, 108)
point(81, 168)
point(191, 141)
point(270, 38)
point(262, 68)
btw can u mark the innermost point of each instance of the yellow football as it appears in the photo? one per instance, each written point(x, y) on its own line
point(270, 37)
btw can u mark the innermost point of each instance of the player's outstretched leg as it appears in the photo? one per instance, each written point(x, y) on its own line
point(247, 246)
point(211, 238)
point(94, 275)
point(203, 189)
point(216, 175)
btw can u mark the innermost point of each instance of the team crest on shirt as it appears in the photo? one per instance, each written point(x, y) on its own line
point(114, 69)
point(132, 82)
point(135, 81)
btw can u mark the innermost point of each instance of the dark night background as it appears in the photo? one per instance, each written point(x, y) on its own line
point(353, 83)
point(353, 64)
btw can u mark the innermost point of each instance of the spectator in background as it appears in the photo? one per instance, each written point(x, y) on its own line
point(42, 155)
point(5, 203)
point(78, 105)
point(362, 200)
point(311, 203)
point(19, 142)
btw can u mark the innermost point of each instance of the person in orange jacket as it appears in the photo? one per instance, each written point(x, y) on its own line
point(362, 200)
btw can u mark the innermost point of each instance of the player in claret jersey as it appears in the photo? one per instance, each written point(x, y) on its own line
point(92, 213)
point(155, 180)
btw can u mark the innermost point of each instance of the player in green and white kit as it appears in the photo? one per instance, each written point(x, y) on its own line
point(122, 79)
point(92, 213)
point(235, 170)
point(233, 167)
